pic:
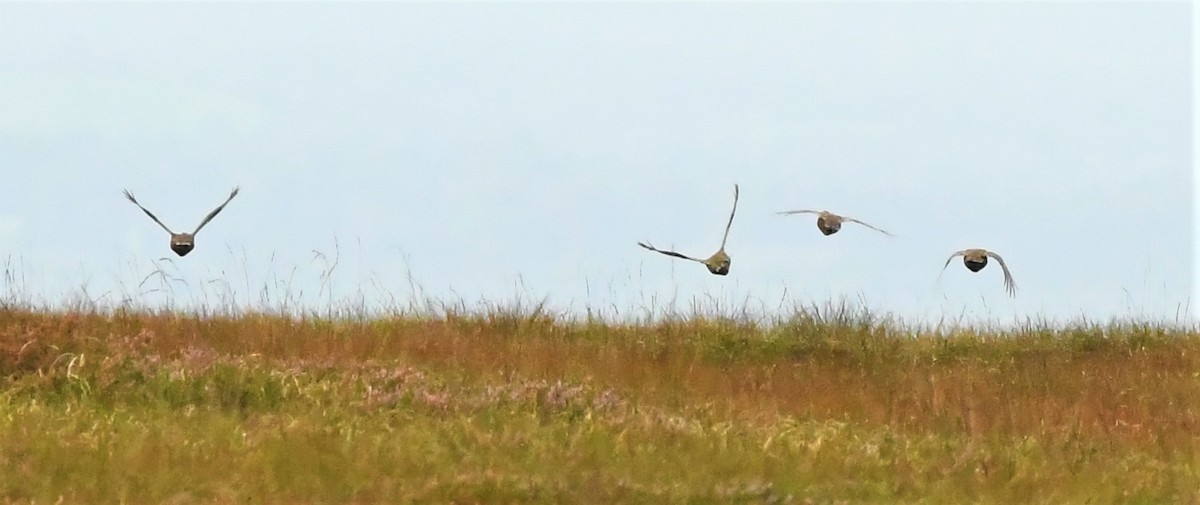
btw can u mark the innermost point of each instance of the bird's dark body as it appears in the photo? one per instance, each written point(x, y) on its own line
point(975, 265)
point(828, 226)
point(182, 248)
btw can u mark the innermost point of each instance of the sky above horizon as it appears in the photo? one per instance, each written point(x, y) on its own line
point(478, 152)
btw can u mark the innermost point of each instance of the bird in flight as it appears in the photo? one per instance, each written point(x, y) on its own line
point(183, 243)
point(719, 262)
point(976, 259)
point(829, 223)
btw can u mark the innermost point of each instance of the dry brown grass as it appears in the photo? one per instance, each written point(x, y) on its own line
point(1006, 385)
point(1128, 392)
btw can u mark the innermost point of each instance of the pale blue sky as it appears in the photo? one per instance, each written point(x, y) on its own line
point(500, 148)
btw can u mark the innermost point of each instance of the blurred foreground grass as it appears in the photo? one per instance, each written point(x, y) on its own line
point(521, 405)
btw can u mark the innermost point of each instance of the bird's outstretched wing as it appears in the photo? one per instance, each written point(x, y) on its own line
point(148, 213)
point(801, 211)
point(952, 256)
point(852, 220)
point(731, 214)
point(1009, 285)
point(668, 253)
point(217, 210)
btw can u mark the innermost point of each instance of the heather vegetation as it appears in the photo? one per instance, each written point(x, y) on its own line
point(517, 403)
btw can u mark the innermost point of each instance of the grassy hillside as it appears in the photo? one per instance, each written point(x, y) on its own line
point(525, 406)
